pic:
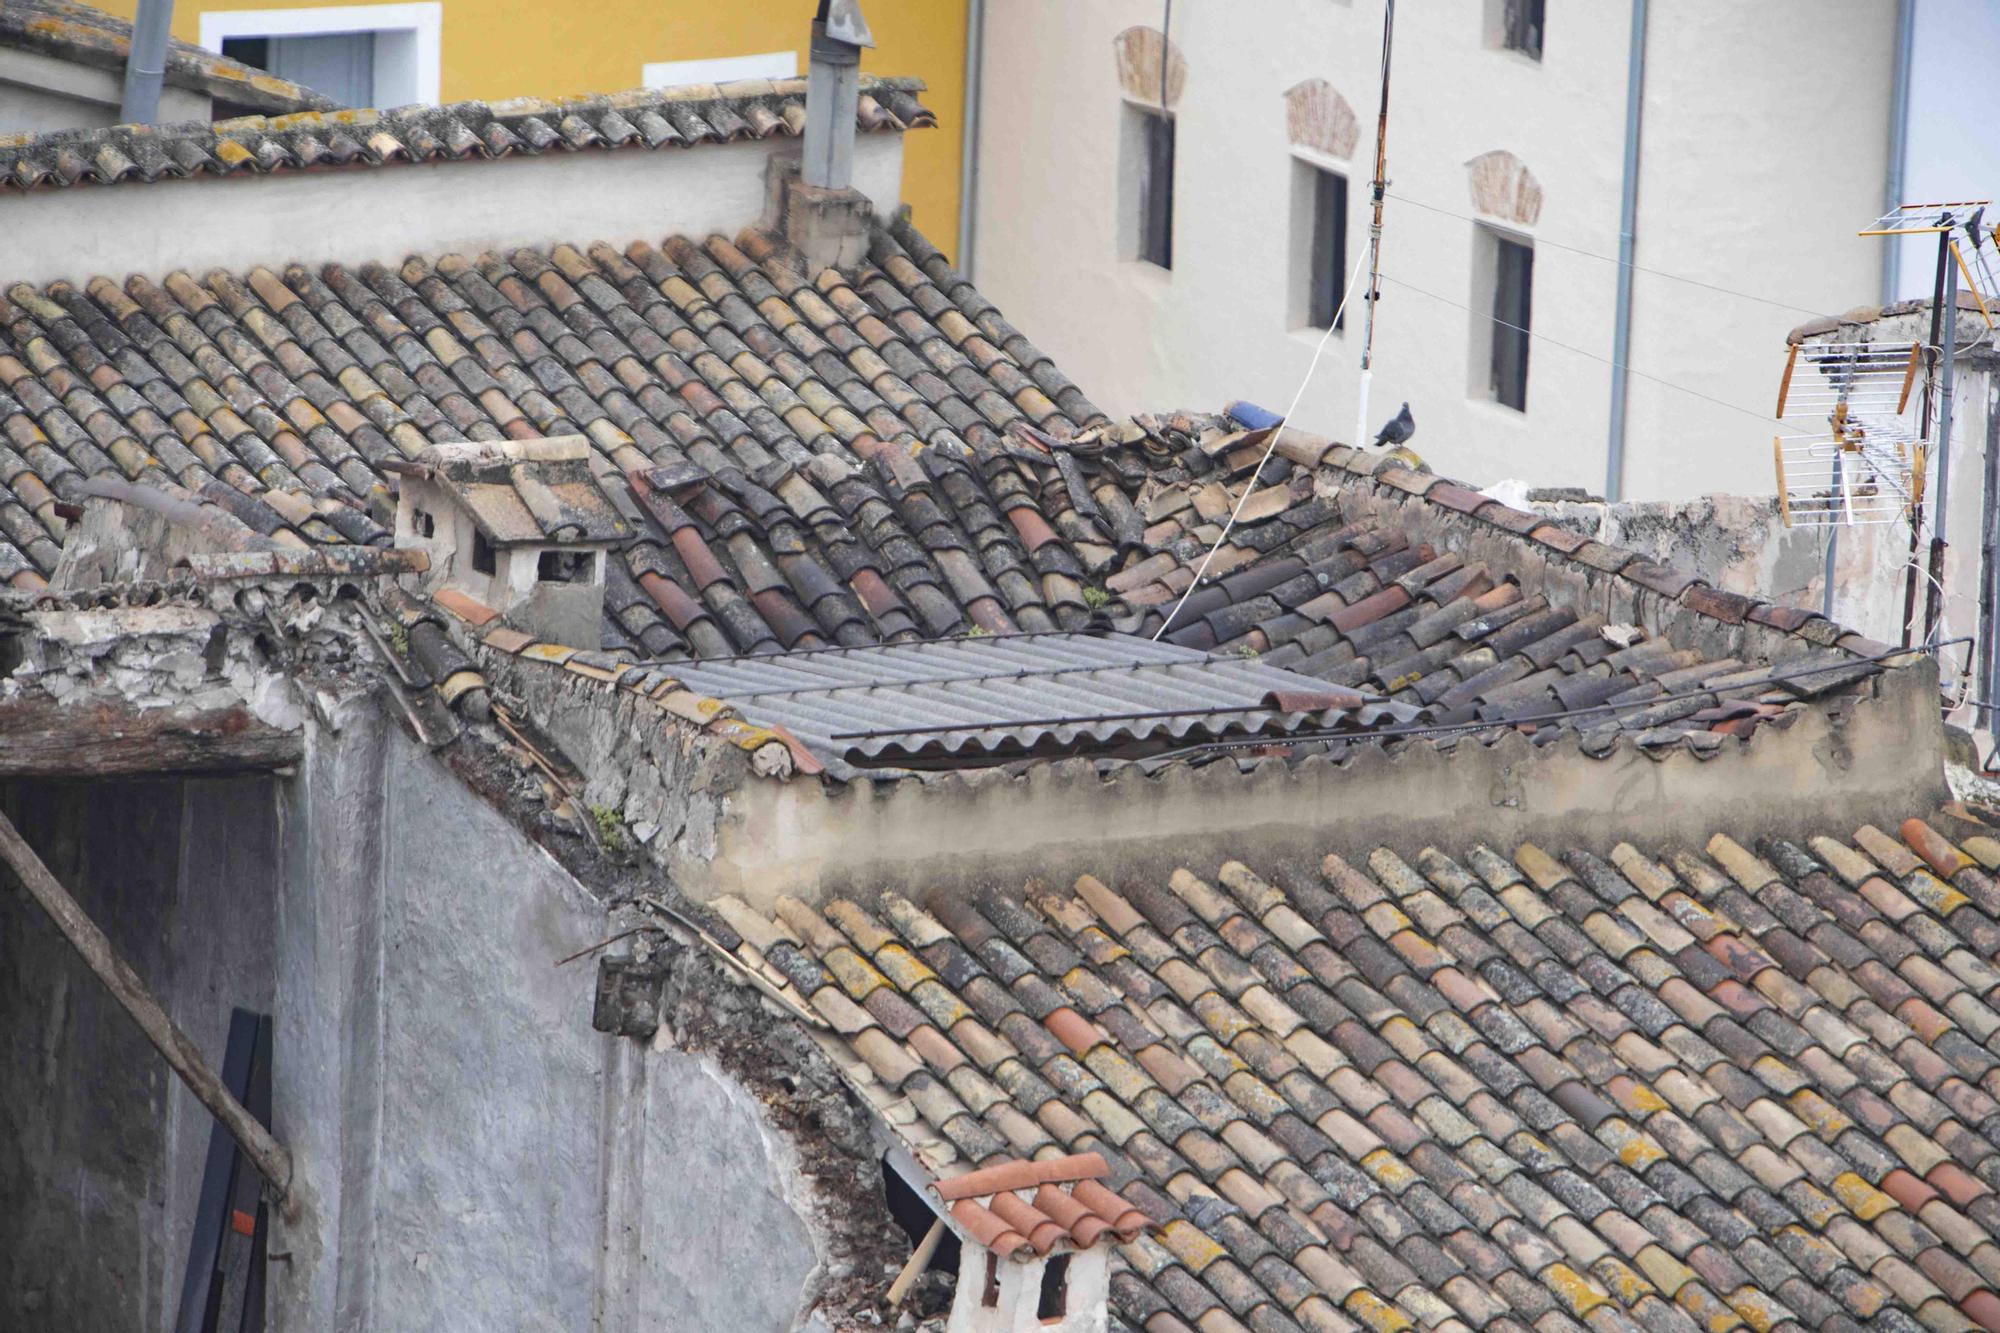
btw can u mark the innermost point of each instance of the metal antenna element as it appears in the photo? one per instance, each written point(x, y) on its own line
point(1378, 190)
point(1852, 458)
point(1940, 219)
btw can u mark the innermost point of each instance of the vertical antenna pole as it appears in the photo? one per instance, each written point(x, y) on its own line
point(1374, 292)
point(1989, 574)
point(1933, 591)
point(1930, 397)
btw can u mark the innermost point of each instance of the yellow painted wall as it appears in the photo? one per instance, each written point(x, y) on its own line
point(550, 48)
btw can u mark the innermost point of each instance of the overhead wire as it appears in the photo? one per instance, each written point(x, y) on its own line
point(1583, 352)
point(1277, 433)
point(1544, 242)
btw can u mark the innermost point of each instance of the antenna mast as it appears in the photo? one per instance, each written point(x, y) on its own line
point(1374, 292)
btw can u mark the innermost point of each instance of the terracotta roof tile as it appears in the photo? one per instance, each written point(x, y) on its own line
point(1776, 1147)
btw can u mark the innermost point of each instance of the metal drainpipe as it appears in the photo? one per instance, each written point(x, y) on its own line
point(1628, 221)
point(968, 148)
point(1899, 141)
point(146, 66)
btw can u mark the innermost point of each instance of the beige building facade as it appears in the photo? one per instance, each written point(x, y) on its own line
point(1764, 148)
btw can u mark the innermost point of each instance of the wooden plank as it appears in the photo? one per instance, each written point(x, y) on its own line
point(42, 738)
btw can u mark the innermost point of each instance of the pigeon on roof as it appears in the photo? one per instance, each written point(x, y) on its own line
point(1400, 428)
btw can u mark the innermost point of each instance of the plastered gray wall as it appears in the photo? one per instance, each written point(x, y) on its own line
point(461, 1156)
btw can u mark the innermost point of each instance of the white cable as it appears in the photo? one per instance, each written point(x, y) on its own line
point(1941, 633)
point(1276, 434)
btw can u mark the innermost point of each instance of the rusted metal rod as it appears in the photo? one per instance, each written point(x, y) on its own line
point(265, 1152)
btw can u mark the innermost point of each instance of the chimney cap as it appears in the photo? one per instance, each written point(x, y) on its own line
point(842, 21)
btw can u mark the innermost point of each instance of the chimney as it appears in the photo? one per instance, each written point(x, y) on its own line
point(824, 215)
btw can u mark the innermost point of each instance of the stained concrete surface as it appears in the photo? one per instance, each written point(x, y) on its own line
point(487, 1185)
point(723, 1245)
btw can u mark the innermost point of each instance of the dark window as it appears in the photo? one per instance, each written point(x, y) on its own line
point(990, 1296)
point(1513, 287)
point(1327, 267)
point(913, 1214)
point(423, 524)
point(339, 64)
point(482, 553)
point(252, 51)
point(563, 567)
point(1156, 189)
point(1054, 1303)
point(1521, 26)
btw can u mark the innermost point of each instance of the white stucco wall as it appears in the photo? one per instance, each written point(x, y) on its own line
point(1733, 193)
point(1765, 151)
point(385, 214)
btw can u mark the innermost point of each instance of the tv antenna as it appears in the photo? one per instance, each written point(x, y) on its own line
point(1853, 457)
point(1945, 221)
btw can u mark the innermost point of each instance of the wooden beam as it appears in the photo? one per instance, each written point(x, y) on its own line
point(913, 1267)
point(43, 738)
point(91, 944)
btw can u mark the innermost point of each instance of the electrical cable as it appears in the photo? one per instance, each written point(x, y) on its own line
point(1567, 347)
point(1541, 241)
point(1277, 433)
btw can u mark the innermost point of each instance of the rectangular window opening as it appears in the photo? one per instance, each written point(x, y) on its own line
point(1319, 245)
point(1148, 185)
point(423, 524)
point(482, 554)
point(360, 55)
point(338, 64)
point(563, 567)
point(1511, 264)
point(1520, 24)
point(1054, 1302)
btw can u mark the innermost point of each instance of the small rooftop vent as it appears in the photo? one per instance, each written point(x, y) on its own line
point(522, 526)
point(1035, 1240)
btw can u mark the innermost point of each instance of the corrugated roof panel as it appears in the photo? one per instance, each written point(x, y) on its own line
point(971, 701)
